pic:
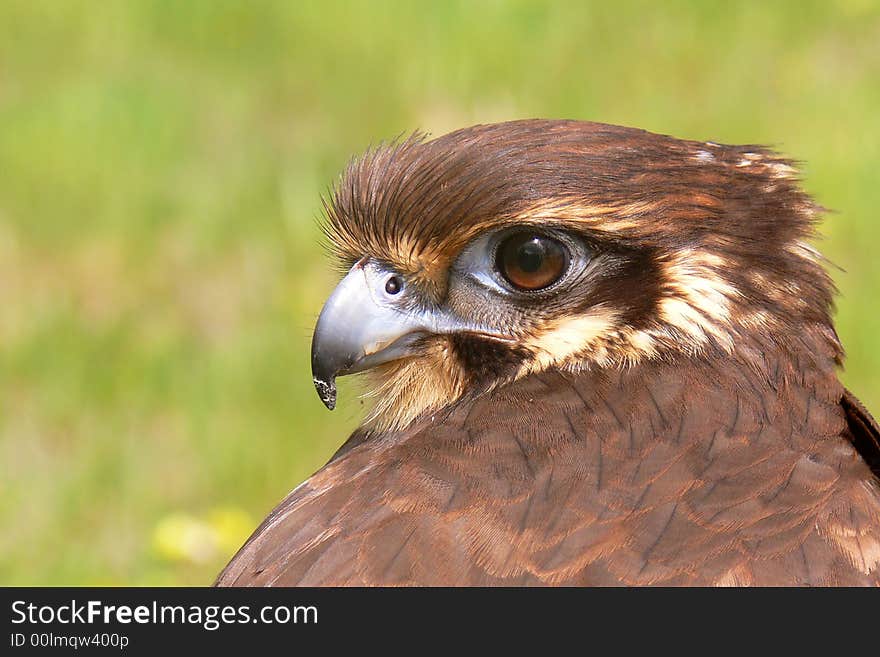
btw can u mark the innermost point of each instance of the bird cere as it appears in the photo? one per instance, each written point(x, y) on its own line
point(599, 356)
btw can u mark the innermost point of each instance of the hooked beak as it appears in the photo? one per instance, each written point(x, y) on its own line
point(363, 325)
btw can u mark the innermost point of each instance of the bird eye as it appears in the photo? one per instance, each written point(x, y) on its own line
point(393, 285)
point(531, 262)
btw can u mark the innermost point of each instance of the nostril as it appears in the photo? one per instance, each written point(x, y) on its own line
point(393, 285)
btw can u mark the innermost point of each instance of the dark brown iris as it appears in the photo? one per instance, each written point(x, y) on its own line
point(531, 262)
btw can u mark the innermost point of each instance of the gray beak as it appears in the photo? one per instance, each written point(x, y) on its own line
point(364, 323)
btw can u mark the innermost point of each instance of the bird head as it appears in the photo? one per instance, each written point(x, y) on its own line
point(499, 251)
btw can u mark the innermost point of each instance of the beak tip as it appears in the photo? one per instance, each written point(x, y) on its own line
point(327, 392)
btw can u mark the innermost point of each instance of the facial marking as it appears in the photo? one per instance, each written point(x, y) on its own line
point(698, 299)
point(569, 337)
point(597, 217)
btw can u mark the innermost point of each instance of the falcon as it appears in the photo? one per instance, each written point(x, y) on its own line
point(599, 356)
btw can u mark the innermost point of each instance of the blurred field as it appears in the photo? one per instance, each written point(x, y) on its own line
point(160, 171)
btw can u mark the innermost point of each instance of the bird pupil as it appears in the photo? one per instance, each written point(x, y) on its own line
point(530, 256)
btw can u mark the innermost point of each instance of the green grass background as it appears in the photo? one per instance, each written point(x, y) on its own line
point(161, 164)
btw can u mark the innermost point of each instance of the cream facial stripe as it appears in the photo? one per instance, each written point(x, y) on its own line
point(568, 338)
point(698, 299)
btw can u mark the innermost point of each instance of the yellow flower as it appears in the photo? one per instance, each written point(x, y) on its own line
point(185, 537)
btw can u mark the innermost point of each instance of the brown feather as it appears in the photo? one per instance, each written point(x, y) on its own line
point(643, 476)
